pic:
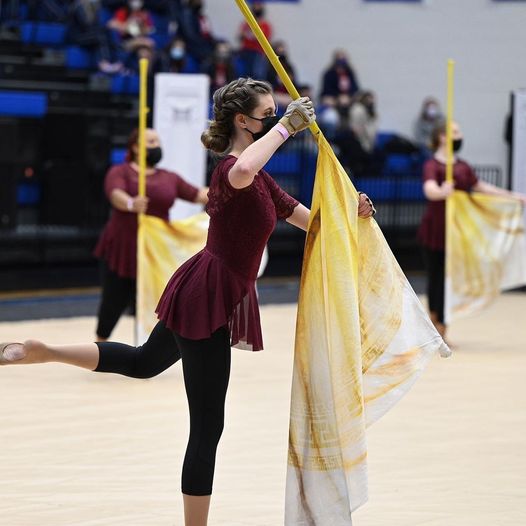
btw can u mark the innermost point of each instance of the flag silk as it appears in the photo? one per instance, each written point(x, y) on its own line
point(362, 339)
point(486, 251)
point(167, 245)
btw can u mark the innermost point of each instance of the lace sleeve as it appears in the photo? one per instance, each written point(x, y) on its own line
point(283, 202)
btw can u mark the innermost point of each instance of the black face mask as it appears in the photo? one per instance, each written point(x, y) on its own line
point(268, 124)
point(457, 144)
point(153, 155)
point(371, 109)
point(259, 13)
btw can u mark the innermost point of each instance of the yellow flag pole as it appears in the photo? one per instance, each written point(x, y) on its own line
point(273, 58)
point(449, 119)
point(143, 112)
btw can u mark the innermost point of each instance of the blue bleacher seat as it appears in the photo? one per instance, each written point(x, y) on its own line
point(410, 189)
point(284, 163)
point(240, 67)
point(161, 39)
point(28, 194)
point(125, 84)
point(43, 33)
point(395, 189)
point(105, 15)
point(118, 155)
point(191, 65)
point(23, 103)
point(378, 189)
point(160, 23)
point(78, 58)
point(382, 138)
point(398, 164)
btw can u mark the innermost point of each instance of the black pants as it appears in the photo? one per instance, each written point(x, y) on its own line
point(435, 266)
point(117, 295)
point(206, 369)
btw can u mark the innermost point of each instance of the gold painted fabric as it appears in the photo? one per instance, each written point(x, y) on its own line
point(167, 245)
point(486, 251)
point(362, 340)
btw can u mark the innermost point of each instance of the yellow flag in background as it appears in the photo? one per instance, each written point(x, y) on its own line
point(362, 340)
point(486, 251)
point(167, 245)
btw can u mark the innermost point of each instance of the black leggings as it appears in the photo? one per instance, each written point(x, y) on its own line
point(117, 295)
point(435, 266)
point(206, 369)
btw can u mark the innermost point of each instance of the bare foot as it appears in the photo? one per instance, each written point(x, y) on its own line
point(31, 351)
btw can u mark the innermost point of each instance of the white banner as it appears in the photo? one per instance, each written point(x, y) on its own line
point(180, 116)
point(518, 159)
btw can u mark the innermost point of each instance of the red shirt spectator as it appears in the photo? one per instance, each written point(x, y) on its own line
point(138, 22)
point(249, 41)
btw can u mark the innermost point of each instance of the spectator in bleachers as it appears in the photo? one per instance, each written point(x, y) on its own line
point(280, 92)
point(339, 86)
point(117, 246)
point(339, 81)
point(430, 118)
point(175, 59)
point(195, 28)
point(134, 24)
point(364, 120)
point(253, 57)
point(85, 30)
point(350, 152)
point(220, 68)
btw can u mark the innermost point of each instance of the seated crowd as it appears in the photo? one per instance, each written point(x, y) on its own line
point(177, 36)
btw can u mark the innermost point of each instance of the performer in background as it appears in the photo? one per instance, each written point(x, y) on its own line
point(117, 246)
point(432, 231)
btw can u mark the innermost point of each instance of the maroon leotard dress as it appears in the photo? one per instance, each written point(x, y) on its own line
point(432, 231)
point(217, 286)
point(117, 245)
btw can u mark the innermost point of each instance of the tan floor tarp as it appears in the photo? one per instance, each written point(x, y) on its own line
point(81, 449)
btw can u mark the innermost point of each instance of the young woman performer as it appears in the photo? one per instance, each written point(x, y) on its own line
point(431, 233)
point(210, 304)
point(117, 246)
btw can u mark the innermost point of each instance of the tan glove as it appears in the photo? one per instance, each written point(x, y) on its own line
point(299, 115)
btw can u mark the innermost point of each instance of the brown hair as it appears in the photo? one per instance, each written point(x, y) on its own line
point(435, 136)
point(133, 139)
point(239, 96)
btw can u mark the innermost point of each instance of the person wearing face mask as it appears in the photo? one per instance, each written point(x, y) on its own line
point(432, 230)
point(364, 120)
point(340, 83)
point(134, 25)
point(174, 59)
point(220, 68)
point(430, 117)
point(250, 52)
point(210, 304)
point(117, 246)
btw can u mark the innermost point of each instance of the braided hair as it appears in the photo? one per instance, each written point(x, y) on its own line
point(239, 96)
